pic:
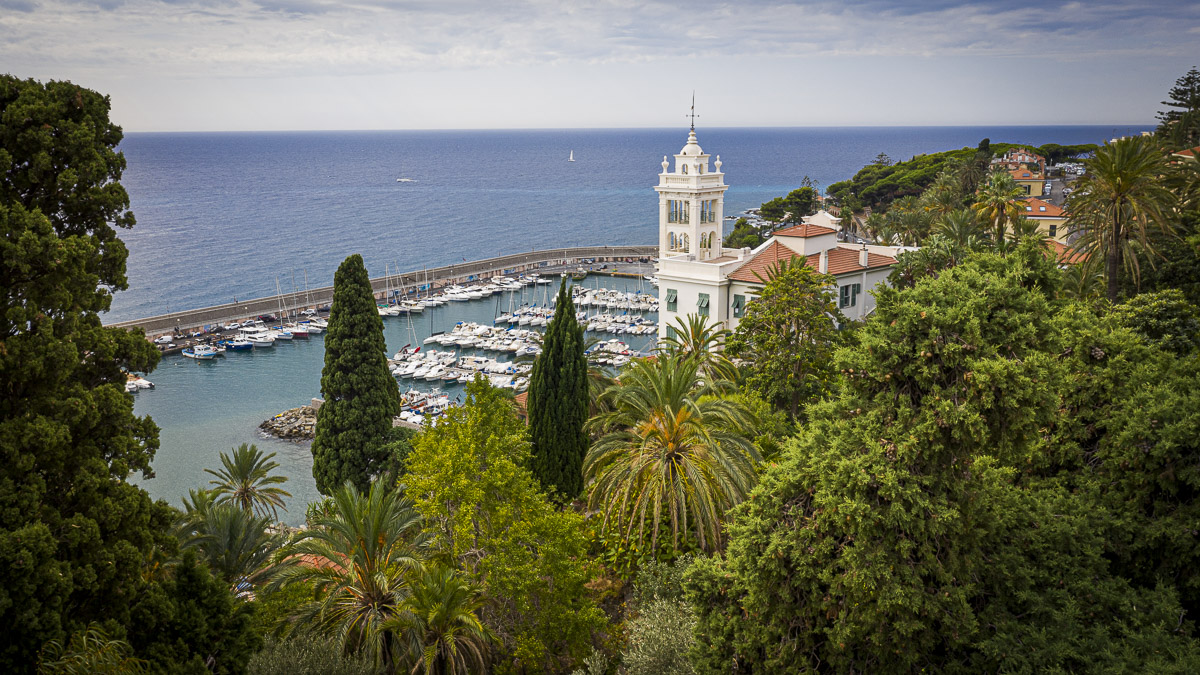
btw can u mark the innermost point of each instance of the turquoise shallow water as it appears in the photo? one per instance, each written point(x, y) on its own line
point(206, 407)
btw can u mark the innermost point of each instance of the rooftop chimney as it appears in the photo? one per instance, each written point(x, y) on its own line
point(824, 264)
point(862, 256)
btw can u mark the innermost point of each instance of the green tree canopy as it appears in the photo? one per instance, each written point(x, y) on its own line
point(73, 533)
point(558, 402)
point(246, 481)
point(791, 208)
point(361, 396)
point(1180, 122)
point(468, 476)
point(788, 336)
point(916, 523)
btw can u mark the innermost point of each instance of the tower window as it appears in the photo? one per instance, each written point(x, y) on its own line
point(739, 306)
point(702, 305)
point(672, 300)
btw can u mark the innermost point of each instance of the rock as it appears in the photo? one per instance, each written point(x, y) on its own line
point(297, 424)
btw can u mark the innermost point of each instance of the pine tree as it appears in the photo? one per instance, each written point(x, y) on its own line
point(558, 401)
point(361, 397)
point(1180, 123)
point(77, 541)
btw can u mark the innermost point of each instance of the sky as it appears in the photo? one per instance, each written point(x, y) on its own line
point(226, 65)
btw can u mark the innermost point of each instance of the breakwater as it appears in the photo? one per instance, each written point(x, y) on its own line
point(534, 261)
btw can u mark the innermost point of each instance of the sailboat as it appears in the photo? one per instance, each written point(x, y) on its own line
point(572, 157)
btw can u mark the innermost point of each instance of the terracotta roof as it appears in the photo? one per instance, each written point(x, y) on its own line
point(1040, 208)
point(841, 261)
point(1022, 174)
point(1065, 254)
point(1190, 152)
point(522, 402)
point(804, 230)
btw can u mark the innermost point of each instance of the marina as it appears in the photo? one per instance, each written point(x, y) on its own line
point(204, 406)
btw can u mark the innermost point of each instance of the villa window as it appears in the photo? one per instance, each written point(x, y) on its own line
point(672, 300)
point(702, 305)
point(849, 295)
point(739, 306)
point(1053, 229)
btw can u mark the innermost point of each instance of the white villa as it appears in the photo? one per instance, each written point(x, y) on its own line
point(697, 276)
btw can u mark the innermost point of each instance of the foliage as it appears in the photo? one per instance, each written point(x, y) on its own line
point(274, 608)
point(1164, 318)
point(1001, 202)
point(788, 336)
point(189, 623)
point(1055, 153)
point(1119, 201)
point(658, 580)
point(361, 396)
point(89, 652)
point(74, 535)
point(596, 663)
point(246, 481)
point(359, 559)
point(669, 452)
point(469, 480)
point(233, 542)
point(743, 235)
point(308, 656)
point(660, 639)
point(898, 533)
point(1181, 122)
point(558, 403)
point(397, 448)
point(701, 339)
point(878, 184)
point(791, 208)
point(439, 631)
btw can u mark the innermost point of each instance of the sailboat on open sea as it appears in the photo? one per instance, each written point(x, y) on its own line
point(572, 157)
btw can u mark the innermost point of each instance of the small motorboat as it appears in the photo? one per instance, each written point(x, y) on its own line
point(203, 352)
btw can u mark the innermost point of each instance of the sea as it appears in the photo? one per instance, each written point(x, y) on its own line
point(228, 216)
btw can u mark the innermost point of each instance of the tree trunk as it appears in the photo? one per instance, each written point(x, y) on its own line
point(1114, 259)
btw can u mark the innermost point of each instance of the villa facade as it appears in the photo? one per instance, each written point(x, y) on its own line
point(698, 276)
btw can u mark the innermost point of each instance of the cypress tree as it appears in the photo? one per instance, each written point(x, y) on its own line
point(558, 400)
point(361, 397)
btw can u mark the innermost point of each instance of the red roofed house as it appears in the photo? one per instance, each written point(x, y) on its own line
point(697, 276)
point(1021, 158)
point(1051, 220)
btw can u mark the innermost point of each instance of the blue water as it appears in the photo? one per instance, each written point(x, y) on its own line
point(224, 215)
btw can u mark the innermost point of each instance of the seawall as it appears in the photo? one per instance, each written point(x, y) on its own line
point(193, 319)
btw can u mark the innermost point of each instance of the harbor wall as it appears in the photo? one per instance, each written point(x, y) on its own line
point(517, 263)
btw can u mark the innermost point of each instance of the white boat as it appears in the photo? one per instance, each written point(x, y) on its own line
point(200, 352)
point(257, 336)
point(571, 158)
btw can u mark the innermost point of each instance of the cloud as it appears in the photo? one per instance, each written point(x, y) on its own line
point(18, 5)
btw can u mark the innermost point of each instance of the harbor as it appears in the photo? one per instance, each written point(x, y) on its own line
point(205, 406)
point(293, 296)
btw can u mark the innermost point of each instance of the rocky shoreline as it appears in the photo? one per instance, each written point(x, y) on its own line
point(296, 424)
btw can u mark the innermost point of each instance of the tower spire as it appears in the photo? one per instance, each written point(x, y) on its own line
point(693, 114)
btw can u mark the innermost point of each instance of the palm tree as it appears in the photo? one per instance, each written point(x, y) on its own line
point(671, 448)
point(1083, 281)
point(246, 481)
point(961, 228)
point(439, 632)
point(999, 203)
point(359, 557)
point(1023, 228)
point(1121, 200)
point(697, 337)
point(235, 544)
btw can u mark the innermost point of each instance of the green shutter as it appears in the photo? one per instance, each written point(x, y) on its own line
point(739, 303)
point(702, 305)
point(672, 299)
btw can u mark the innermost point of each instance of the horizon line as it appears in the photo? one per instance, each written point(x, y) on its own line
point(640, 128)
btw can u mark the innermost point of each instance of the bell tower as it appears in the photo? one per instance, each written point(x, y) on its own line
point(690, 204)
